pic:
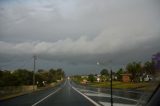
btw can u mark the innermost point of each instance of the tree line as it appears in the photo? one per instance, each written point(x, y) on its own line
point(25, 77)
point(135, 69)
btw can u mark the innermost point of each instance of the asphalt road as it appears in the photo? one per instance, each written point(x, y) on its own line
point(102, 95)
point(63, 95)
point(132, 94)
point(70, 94)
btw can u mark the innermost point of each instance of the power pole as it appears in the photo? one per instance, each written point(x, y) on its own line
point(34, 69)
point(111, 89)
point(110, 83)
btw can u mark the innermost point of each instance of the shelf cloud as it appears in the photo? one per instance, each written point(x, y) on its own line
point(80, 31)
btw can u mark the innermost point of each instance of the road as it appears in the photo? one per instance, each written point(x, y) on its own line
point(68, 94)
point(63, 95)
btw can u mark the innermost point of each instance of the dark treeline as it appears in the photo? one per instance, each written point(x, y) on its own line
point(25, 77)
point(136, 70)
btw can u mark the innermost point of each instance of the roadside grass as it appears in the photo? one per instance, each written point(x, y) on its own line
point(131, 85)
point(119, 85)
point(150, 87)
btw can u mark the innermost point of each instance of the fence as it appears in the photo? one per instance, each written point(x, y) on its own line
point(15, 90)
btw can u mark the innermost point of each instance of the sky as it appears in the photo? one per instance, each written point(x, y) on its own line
point(75, 34)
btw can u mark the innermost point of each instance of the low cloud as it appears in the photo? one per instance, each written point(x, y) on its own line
point(107, 42)
point(79, 31)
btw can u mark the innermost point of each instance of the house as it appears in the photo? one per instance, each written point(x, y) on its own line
point(97, 77)
point(84, 81)
point(84, 76)
point(147, 78)
point(126, 77)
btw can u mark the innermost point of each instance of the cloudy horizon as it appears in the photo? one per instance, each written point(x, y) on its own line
point(75, 34)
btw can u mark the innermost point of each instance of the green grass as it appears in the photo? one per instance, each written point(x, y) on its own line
point(119, 85)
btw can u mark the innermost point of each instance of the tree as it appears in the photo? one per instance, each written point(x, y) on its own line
point(149, 67)
point(135, 69)
point(41, 77)
point(119, 73)
point(91, 78)
point(104, 72)
point(52, 75)
point(23, 76)
point(7, 79)
point(1, 75)
point(56, 74)
point(60, 74)
point(40, 70)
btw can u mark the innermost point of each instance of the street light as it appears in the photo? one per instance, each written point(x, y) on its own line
point(110, 83)
point(98, 63)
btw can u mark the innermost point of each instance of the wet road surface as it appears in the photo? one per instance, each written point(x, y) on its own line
point(73, 95)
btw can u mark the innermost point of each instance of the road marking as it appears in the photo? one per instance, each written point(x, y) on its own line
point(48, 96)
point(108, 95)
point(105, 95)
point(88, 93)
point(135, 92)
point(97, 95)
point(115, 104)
point(92, 101)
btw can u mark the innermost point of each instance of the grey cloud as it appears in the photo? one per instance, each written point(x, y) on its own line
point(80, 31)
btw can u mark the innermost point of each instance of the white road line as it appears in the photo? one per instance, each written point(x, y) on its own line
point(47, 96)
point(125, 98)
point(84, 90)
point(128, 91)
point(106, 95)
point(135, 92)
point(115, 104)
point(97, 95)
point(92, 101)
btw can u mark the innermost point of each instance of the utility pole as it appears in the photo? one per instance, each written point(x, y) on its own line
point(34, 69)
point(110, 83)
point(111, 89)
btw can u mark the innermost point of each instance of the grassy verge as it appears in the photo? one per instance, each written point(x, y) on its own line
point(117, 85)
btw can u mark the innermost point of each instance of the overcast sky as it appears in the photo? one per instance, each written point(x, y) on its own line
point(75, 34)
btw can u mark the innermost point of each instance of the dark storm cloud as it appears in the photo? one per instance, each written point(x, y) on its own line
point(79, 32)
